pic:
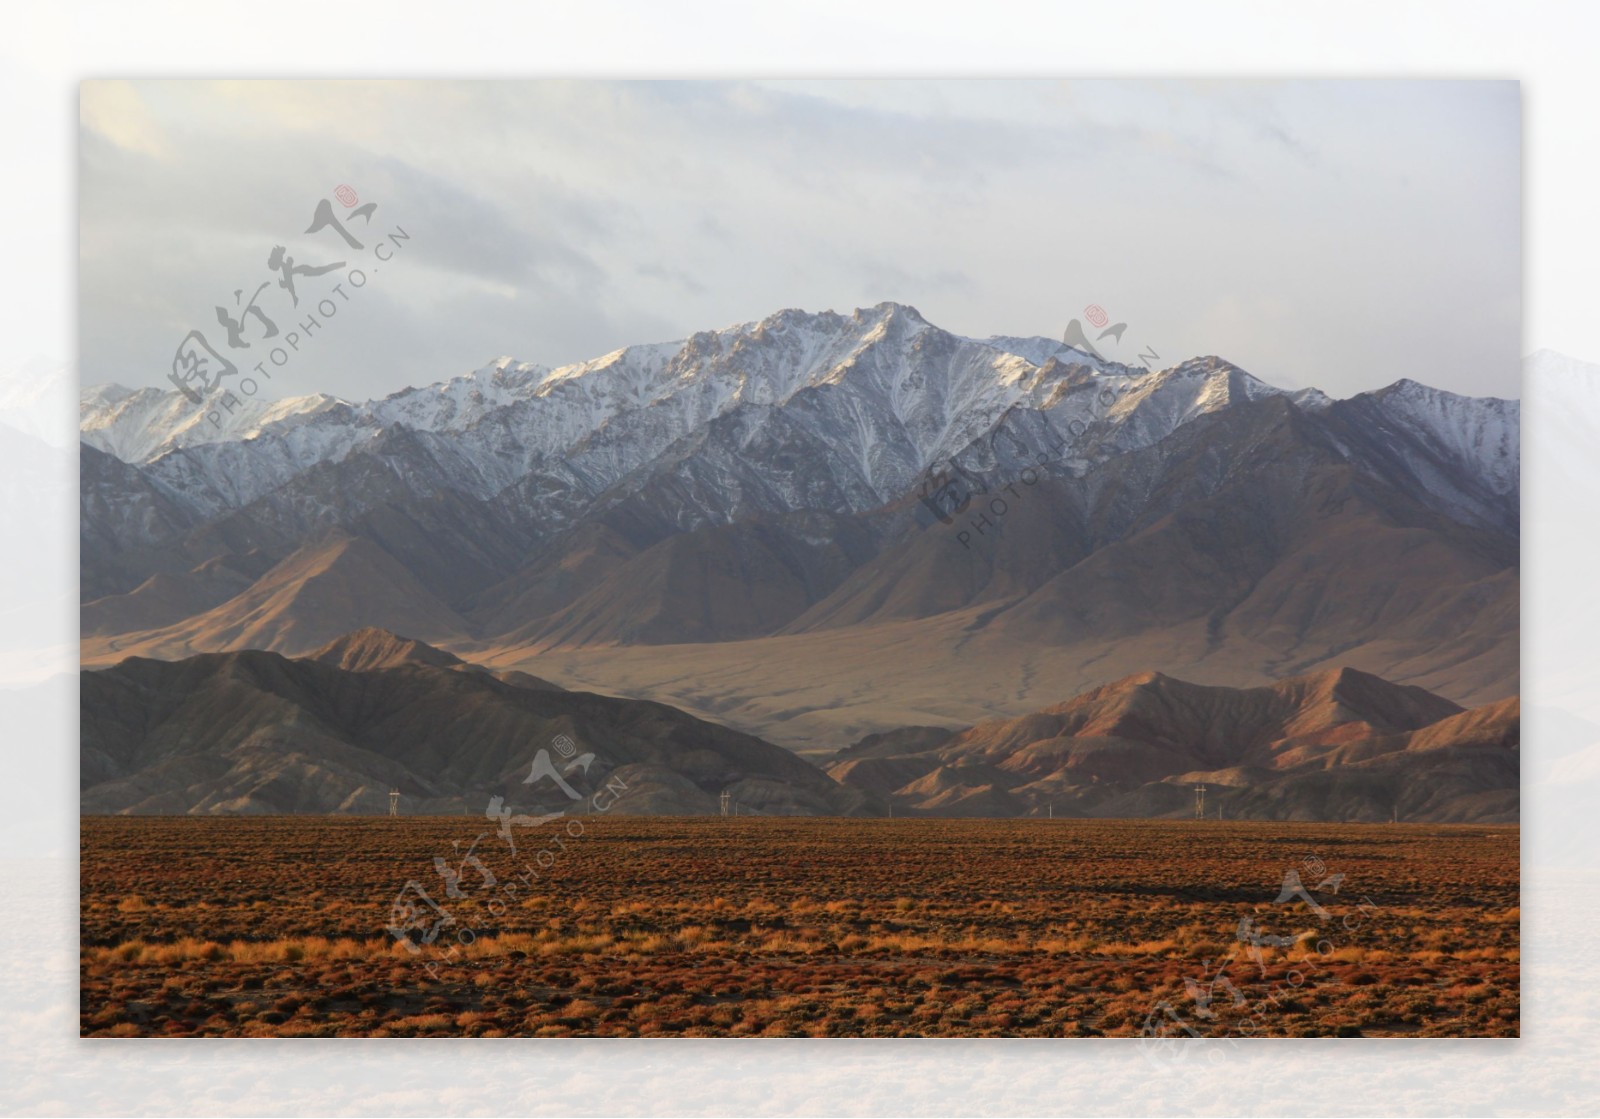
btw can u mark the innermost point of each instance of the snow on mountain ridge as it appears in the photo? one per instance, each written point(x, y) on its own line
point(806, 349)
point(139, 425)
point(1485, 431)
point(870, 401)
point(460, 402)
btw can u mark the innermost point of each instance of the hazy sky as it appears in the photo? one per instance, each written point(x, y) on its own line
point(1338, 234)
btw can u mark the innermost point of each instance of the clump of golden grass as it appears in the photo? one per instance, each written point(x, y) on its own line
point(293, 950)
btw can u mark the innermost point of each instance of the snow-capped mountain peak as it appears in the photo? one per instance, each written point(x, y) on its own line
point(138, 425)
point(805, 410)
point(1484, 432)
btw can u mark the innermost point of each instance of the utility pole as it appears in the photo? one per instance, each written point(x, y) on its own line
point(726, 796)
point(394, 802)
point(1051, 809)
point(1199, 802)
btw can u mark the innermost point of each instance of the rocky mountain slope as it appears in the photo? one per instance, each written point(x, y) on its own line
point(824, 486)
point(1339, 745)
point(254, 732)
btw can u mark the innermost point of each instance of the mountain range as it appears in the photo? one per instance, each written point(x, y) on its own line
point(255, 732)
point(819, 527)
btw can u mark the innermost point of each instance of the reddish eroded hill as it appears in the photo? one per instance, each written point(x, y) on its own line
point(1339, 745)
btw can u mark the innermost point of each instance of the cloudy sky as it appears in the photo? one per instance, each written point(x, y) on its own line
point(1338, 234)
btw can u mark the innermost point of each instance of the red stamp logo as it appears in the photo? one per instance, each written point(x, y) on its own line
point(348, 197)
point(1095, 313)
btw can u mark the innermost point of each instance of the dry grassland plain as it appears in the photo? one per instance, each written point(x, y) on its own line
point(626, 926)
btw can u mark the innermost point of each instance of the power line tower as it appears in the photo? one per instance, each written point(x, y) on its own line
point(725, 798)
point(394, 802)
point(1199, 802)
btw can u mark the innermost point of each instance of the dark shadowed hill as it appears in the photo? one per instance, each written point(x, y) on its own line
point(256, 732)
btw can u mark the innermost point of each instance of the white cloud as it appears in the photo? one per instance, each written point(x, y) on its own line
point(116, 111)
point(1342, 234)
